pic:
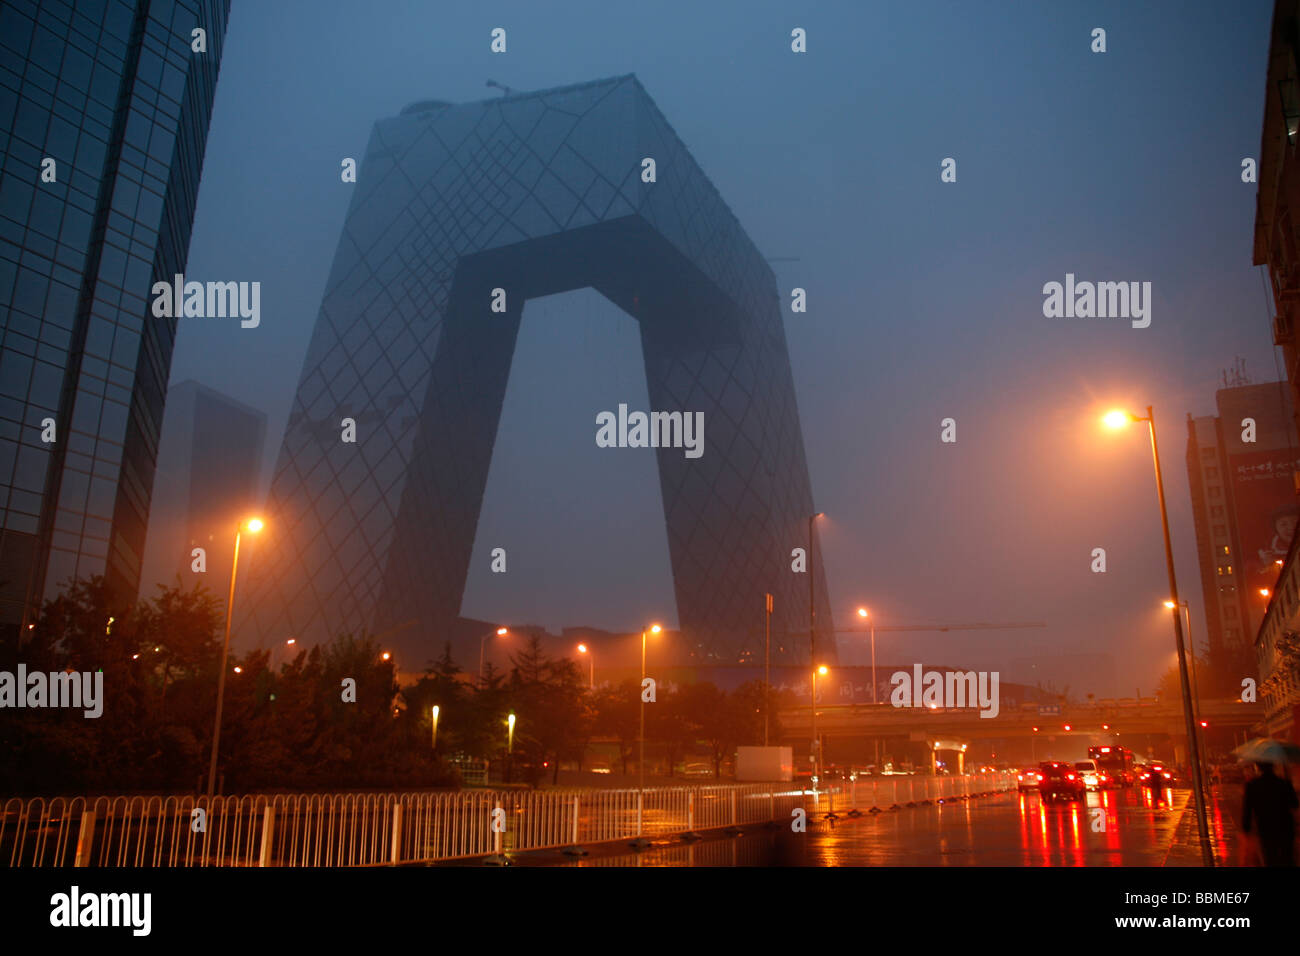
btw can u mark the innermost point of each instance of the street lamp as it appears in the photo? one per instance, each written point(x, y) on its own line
point(253, 525)
point(1120, 419)
point(864, 613)
point(822, 670)
point(640, 760)
point(582, 649)
point(510, 744)
point(436, 712)
point(1196, 690)
point(812, 639)
point(501, 632)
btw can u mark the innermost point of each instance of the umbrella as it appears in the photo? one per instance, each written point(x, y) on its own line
point(1267, 750)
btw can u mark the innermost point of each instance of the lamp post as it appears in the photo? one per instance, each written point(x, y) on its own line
point(812, 646)
point(583, 649)
point(767, 664)
point(275, 652)
point(437, 711)
point(1196, 688)
point(865, 614)
point(817, 749)
point(640, 760)
point(510, 744)
point(254, 525)
point(1121, 419)
point(501, 632)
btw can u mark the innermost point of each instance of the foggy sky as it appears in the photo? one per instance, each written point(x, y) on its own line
point(924, 298)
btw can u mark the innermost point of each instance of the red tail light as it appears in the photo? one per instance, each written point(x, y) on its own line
point(1069, 776)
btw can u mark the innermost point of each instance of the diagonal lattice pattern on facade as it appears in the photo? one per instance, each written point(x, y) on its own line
point(535, 193)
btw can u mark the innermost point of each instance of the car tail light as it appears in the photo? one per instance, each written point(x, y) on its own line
point(1069, 776)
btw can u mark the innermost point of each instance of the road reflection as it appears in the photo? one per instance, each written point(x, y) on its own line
point(1107, 828)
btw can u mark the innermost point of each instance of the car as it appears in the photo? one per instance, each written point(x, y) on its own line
point(1094, 778)
point(1028, 778)
point(1167, 775)
point(1060, 779)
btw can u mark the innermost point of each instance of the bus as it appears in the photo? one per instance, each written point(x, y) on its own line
point(1116, 762)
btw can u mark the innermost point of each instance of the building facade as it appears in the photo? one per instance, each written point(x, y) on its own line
point(105, 109)
point(1277, 246)
point(1241, 466)
point(206, 482)
point(460, 215)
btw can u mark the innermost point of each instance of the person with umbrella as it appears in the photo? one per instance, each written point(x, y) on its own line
point(1269, 803)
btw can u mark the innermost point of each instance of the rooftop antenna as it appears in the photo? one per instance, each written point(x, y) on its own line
point(1236, 376)
point(504, 89)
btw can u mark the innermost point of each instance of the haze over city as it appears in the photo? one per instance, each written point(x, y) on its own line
point(924, 300)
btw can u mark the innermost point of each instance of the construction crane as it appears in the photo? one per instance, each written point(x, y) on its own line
point(977, 626)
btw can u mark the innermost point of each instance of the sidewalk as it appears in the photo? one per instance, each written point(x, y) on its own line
point(1224, 816)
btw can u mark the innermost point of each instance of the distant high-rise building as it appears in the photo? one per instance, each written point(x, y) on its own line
point(206, 482)
point(1244, 507)
point(104, 109)
point(1277, 213)
point(461, 214)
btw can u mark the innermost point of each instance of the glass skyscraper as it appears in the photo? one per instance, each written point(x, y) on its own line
point(104, 111)
point(532, 194)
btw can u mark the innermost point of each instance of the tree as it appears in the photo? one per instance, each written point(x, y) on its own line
point(617, 715)
point(713, 719)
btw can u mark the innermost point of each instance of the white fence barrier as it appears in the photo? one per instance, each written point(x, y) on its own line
point(364, 829)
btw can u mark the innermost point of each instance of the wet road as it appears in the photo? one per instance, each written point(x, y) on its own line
point(1111, 828)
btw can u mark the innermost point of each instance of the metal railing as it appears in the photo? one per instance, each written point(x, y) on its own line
point(365, 829)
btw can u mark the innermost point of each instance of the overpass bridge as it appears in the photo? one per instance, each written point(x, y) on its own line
point(1123, 716)
point(849, 732)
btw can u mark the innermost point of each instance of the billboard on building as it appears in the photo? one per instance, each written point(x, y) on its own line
point(1263, 490)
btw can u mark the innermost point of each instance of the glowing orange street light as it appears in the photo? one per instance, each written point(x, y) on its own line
point(501, 632)
point(1067, 726)
point(239, 670)
point(640, 759)
point(1263, 592)
point(253, 526)
point(1116, 419)
point(862, 612)
point(385, 655)
point(582, 649)
point(1170, 605)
